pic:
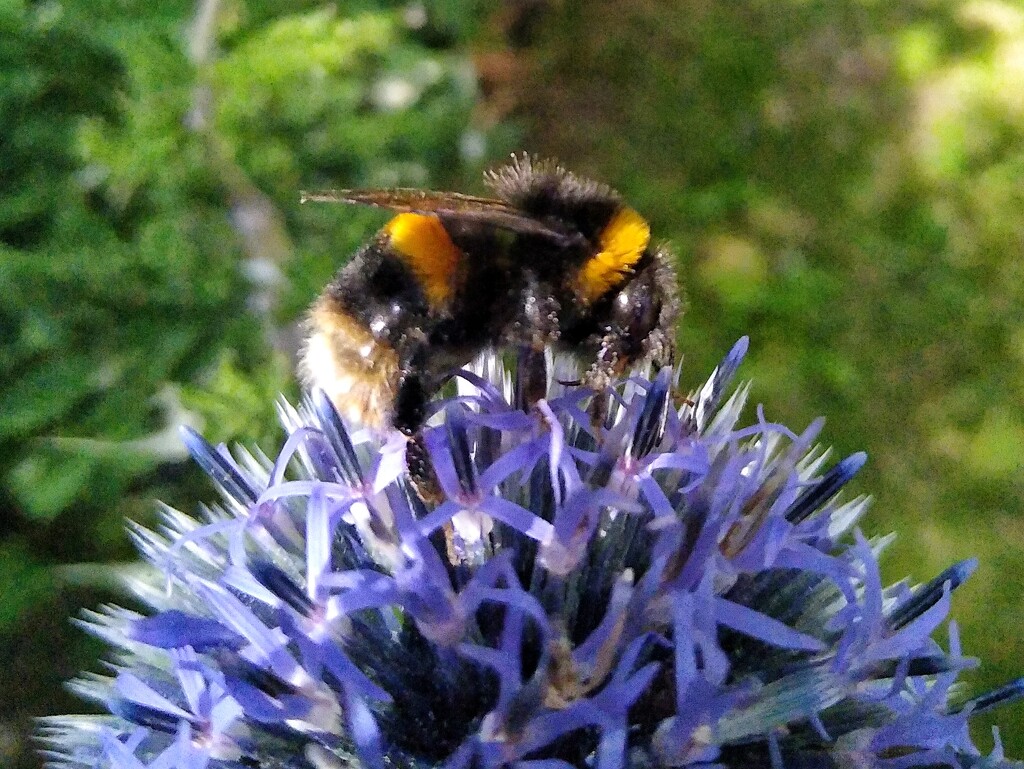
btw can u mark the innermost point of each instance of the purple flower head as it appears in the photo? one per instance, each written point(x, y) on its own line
point(661, 587)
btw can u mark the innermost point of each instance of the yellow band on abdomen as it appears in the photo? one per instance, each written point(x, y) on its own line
point(424, 244)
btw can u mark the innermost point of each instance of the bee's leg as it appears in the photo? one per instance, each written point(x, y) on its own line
point(538, 328)
point(608, 368)
point(410, 413)
point(421, 472)
point(598, 412)
point(618, 350)
point(410, 403)
point(531, 376)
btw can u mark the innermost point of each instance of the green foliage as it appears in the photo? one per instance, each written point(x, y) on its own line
point(27, 581)
point(236, 404)
point(154, 258)
point(126, 228)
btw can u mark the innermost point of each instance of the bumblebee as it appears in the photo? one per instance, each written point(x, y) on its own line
point(552, 260)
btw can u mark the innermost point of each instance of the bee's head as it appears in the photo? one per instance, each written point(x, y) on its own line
point(645, 309)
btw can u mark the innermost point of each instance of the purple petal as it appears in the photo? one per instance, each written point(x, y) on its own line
point(363, 590)
point(586, 653)
point(693, 459)
point(928, 595)
point(365, 732)
point(512, 421)
point(797, 555)
point(338, 438)
point(441, 456)
point(756, 625)
point(487, 389)
point(318, 542)
point(262, 707)
point(174, 629)
point(334, 491)
point(520, 459)
point(193, 685)
point(655, 496)
point(284, 457)
point(919, 730)
point(650, 426)
point(830, 484)
point(119, 754)
point(389, 465)
point(519, 518)
point(266, 643)
point(223, 471)
point(913, 636)
point(224, 713)
point(325, 653)
point(134, 689)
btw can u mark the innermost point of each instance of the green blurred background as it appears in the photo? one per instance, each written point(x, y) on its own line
point(842, 181)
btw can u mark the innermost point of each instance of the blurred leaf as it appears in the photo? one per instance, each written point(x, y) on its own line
point(234, 405)
point(25, 582)
point(148, 198)
point(46, 392)
point(996, 449)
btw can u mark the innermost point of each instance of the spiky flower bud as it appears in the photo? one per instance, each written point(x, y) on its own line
point(665, 589)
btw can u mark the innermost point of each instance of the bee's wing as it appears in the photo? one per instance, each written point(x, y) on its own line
point(450, 205)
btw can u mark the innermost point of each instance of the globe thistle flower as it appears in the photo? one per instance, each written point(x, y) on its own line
point(665, 589)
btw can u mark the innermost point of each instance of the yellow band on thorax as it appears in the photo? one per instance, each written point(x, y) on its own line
point(622, 242)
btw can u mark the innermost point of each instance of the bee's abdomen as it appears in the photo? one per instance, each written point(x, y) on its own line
point(358, 371)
